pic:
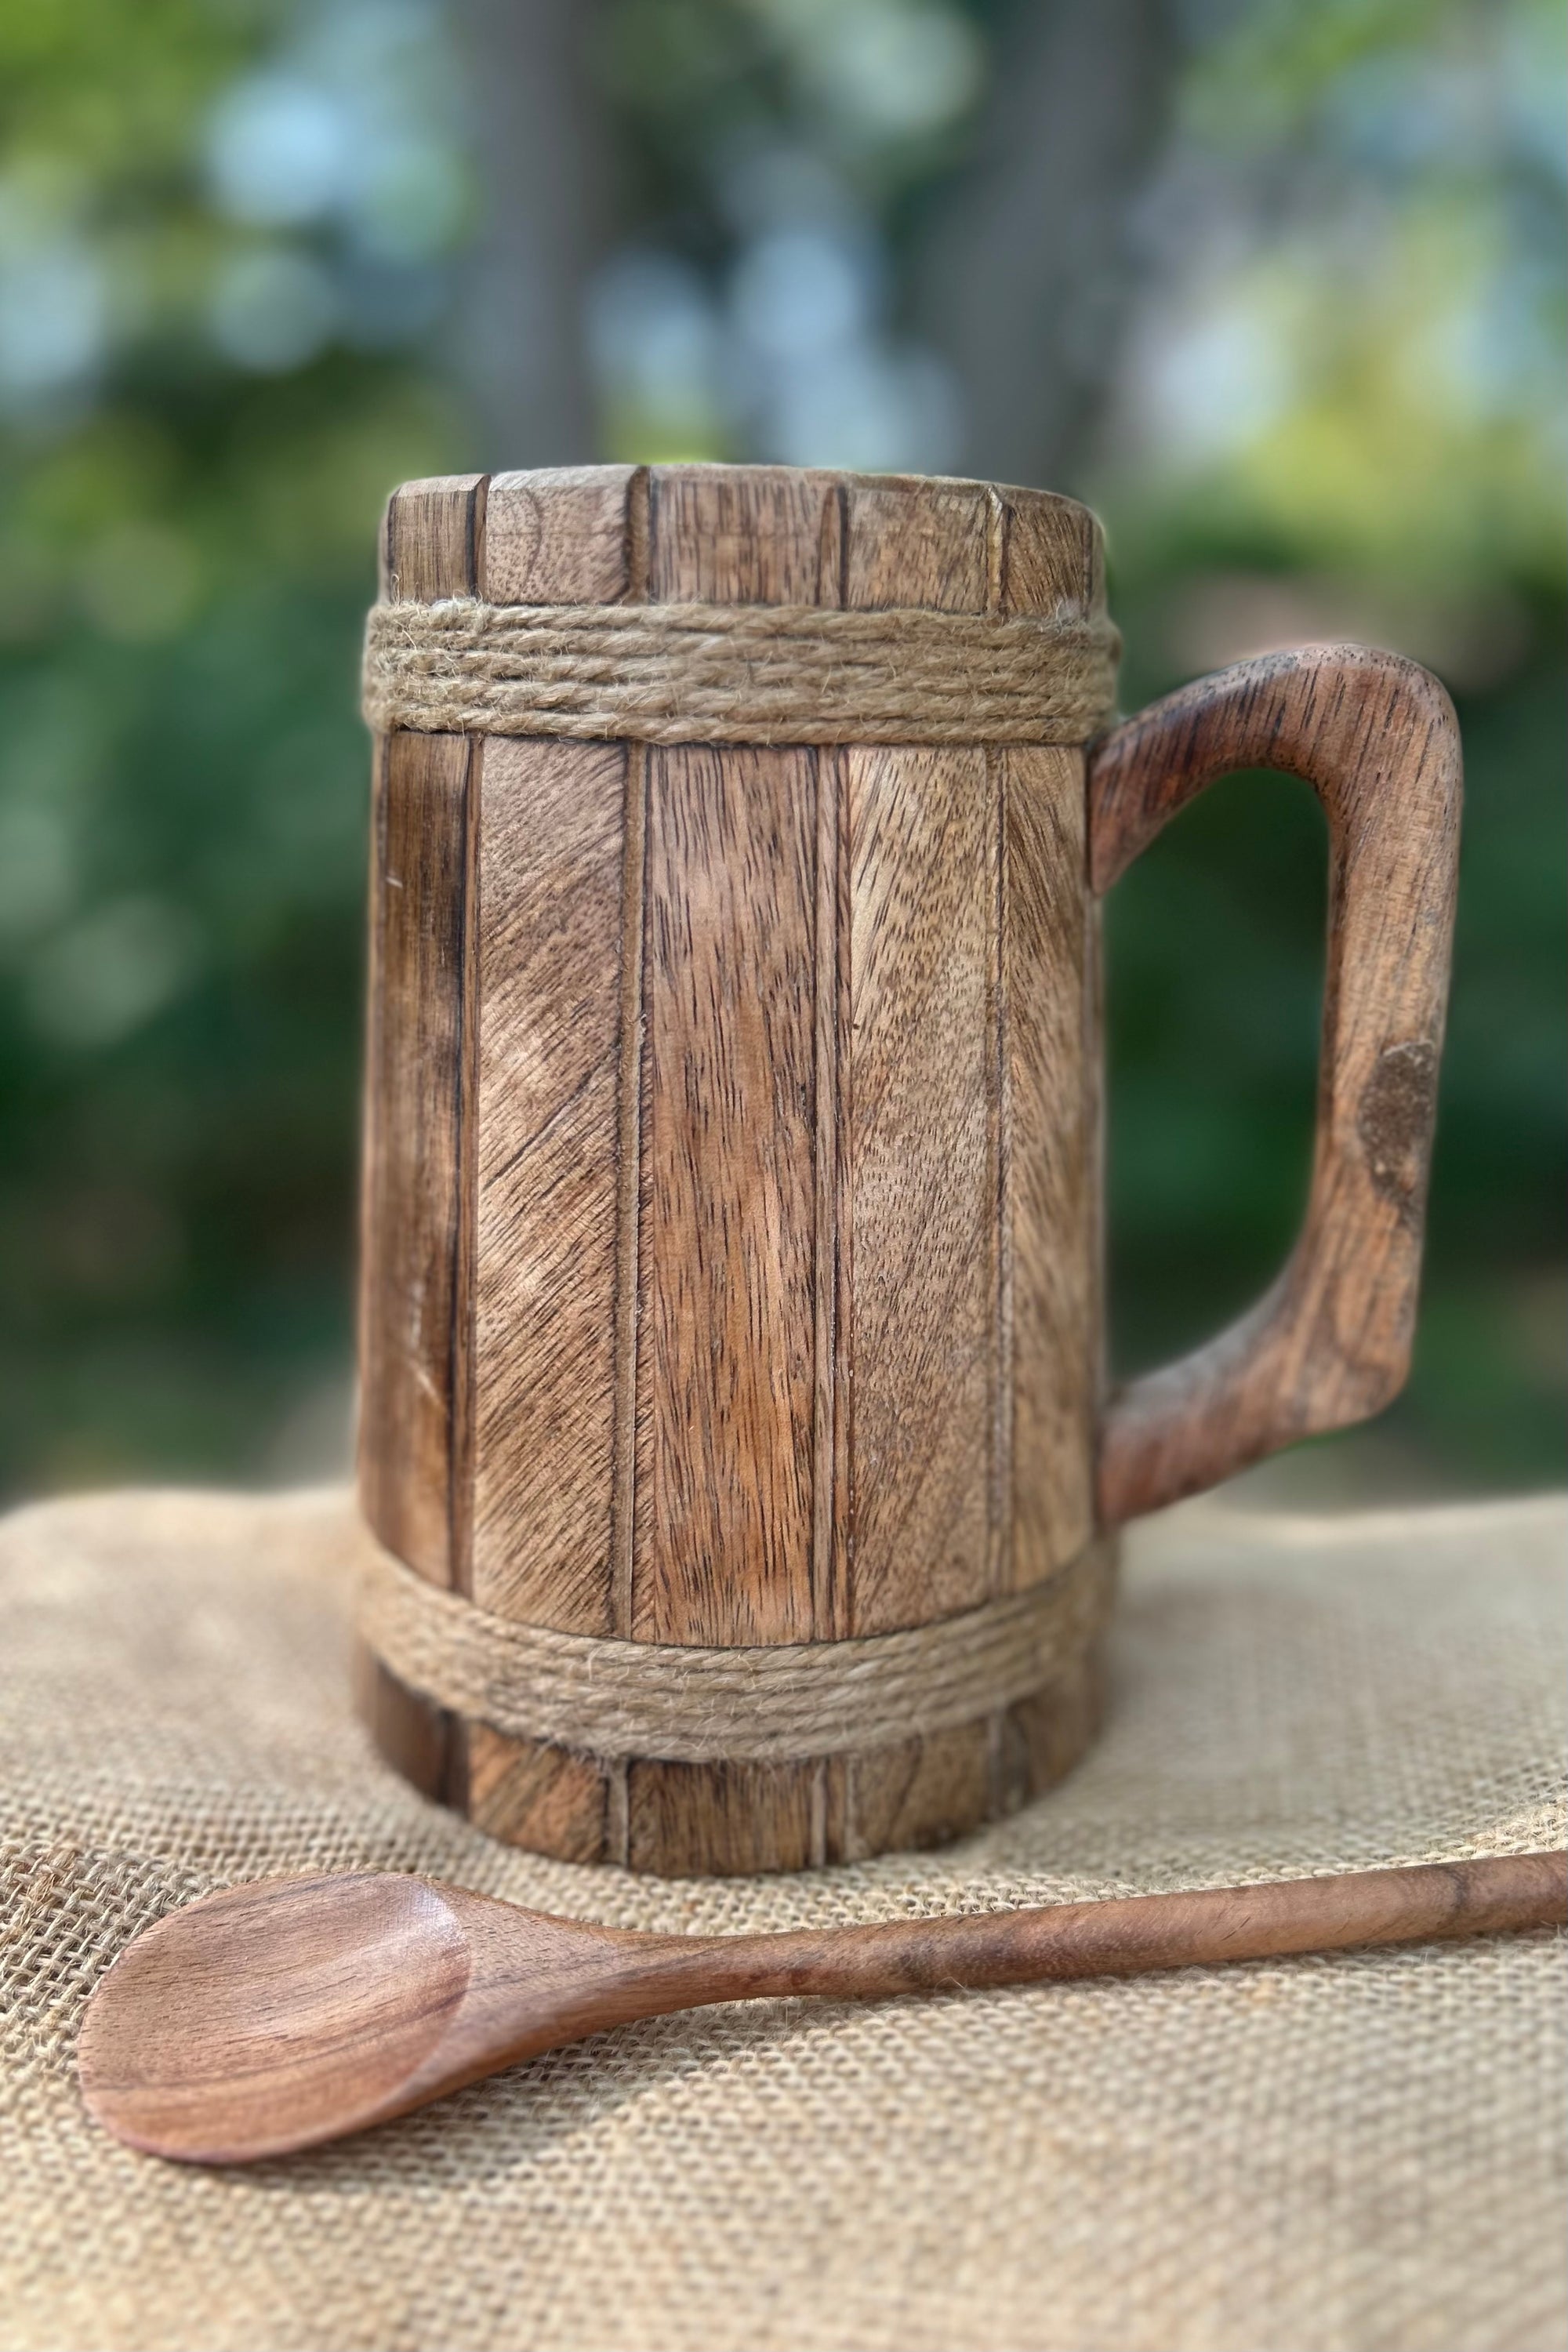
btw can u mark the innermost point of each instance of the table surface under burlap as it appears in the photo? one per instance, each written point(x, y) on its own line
point(1352, 2154)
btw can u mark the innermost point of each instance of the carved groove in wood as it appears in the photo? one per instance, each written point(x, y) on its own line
point(730, 1166)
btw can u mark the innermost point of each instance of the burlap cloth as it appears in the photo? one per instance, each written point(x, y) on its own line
point(1360, 2152)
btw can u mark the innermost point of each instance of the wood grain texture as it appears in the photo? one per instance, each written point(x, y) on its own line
point(550, 880)
point(923, 1183)
point(728, 1247)
point(417, 1737)
point(721, 1820)
point(531, 1792)
point(967, 1336)
point(563, 536)
point(416, 1247)
point(730, 1286)
point(560, 892)
point(921, 1793)
point(742, 535)
point(433, 536)
point(552, 884)
point(416, 1269)
point(1329, 1343)
point(776, 1161)
point(921, 1142)
point(411, 1308)
point(909, 542)
point(273, 2016)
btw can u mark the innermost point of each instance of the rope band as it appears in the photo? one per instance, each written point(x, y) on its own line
point(764, 1705)
point(737, 673)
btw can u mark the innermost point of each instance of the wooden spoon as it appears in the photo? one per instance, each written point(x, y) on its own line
point(278, 2015)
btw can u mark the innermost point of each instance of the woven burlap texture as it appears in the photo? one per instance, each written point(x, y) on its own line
point(1352, 2154)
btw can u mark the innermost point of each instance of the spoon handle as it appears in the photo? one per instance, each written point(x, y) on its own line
point(1495, 1894)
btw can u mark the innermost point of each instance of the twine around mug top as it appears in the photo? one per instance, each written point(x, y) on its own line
point(759, 674)
point(766, 1703)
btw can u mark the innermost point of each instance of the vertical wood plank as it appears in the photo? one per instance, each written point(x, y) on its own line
point(830, 1429)
point(413, 1274)
point(729, 1421)
point(433, 537)
point(550, 868)
point(1000, 1043)
point(531, 1793)
point(416, 1227)
point(728, 1239)
point(627, 1299)
point(552, 849)
point(921, 1137)
point(922, 1133)
point(922, 1184)
point(919, 1792)
point(416, 1736)
point(410, 1434)
point(915, 543)
point(742, 535)
point(1094, 1133)
point(719, 1819)
point(1050, 555)
point(921, 1130)
point(1043, 1737)
point(555, 853)
point(961, 547)
point(560, 536)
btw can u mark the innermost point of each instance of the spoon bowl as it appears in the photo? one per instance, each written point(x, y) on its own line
point(228, 2028)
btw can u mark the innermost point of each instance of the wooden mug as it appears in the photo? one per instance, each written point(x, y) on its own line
point(732, 1297)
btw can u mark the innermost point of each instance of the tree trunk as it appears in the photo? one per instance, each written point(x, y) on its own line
point(1028, 277)
point(539, 156)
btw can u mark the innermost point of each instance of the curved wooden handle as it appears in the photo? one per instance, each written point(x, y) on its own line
point(1330, 1342)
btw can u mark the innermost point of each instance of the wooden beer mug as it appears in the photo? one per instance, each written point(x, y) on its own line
point(740, 1476)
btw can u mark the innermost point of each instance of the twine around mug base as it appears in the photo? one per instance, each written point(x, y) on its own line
point(763, 1704)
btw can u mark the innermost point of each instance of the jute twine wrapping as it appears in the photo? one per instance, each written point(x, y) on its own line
point(737, 673)
point(1358, 2153)
point(734, 674)
point(694, 1706)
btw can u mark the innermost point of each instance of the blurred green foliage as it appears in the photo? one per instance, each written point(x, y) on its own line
point(187, 548)
point(208, 382)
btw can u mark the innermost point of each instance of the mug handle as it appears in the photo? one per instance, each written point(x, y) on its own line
point(1330, 1342)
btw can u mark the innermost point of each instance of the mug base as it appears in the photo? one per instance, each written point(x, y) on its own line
point(728, 1818)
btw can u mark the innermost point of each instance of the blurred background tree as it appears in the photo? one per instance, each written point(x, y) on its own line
point(1277, 286)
